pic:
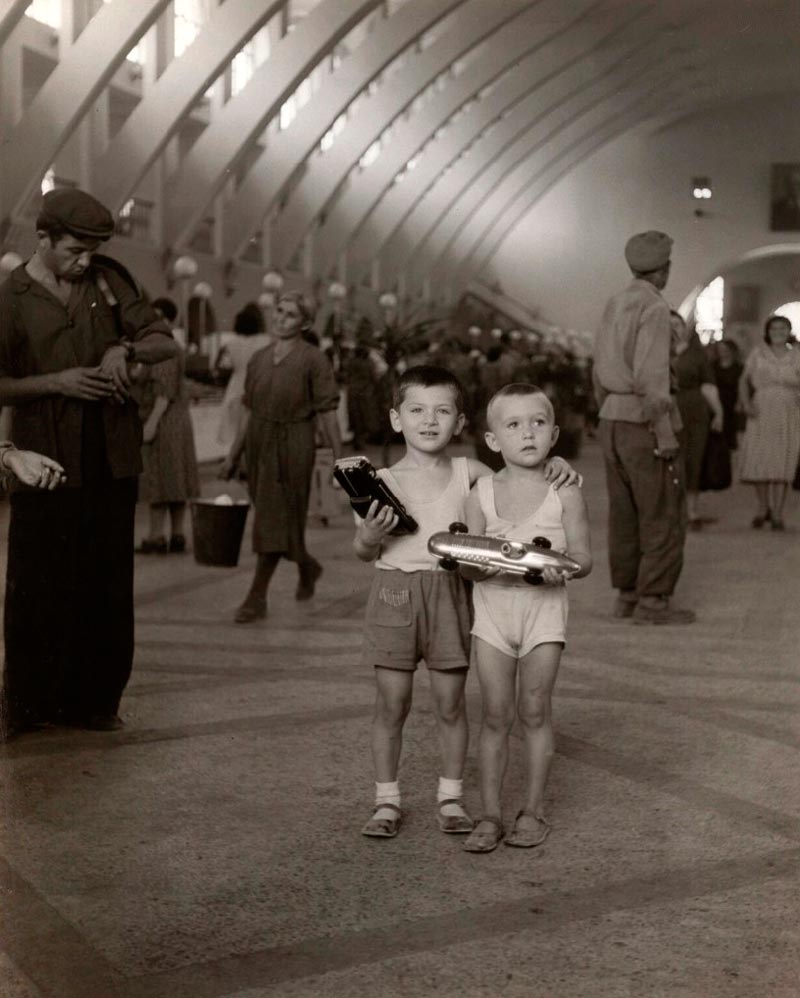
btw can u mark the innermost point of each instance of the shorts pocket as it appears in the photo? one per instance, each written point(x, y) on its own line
point(392, 607)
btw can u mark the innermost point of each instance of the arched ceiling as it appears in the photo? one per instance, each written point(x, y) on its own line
point(490, 102)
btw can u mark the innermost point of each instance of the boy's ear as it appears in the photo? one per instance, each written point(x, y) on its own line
point(554, 437)
point(394, 419)
point(491, 441)
point(459, 424)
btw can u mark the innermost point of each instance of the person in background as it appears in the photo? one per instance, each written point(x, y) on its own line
point(250, 337)
point(289, 389)
point(170, 478)
point(727, 372)
point(699, 406)
point(769, 393)
point(638, 424)
point(71, 323)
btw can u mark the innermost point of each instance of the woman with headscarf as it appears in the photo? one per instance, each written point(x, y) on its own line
point(289, 390)
point(769, 393)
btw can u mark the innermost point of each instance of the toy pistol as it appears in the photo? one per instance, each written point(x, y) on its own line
point(363, 484)
point(457, 546)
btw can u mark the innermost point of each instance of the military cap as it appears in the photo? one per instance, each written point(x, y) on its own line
point(78, 212)
point(648, 251)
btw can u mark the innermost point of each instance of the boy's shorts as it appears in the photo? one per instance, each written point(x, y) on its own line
point(417, 615)
point(515, 619)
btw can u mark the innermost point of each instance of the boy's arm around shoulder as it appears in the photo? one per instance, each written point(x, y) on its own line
point(477, 469)
point(576, 528)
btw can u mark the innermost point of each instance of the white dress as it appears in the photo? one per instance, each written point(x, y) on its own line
point(771, 444)
point(240, 349)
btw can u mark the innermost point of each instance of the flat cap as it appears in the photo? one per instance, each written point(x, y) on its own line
point(648, 251)
point(79, 213)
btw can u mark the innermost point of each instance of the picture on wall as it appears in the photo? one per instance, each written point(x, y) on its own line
point(785, 197)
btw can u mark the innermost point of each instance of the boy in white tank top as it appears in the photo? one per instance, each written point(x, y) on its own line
point(415, 609)
point(519, 629)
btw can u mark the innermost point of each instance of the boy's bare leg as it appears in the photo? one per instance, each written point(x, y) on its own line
point(450, 710)
point(537, 677)
point(497, 675)
point(392, 704)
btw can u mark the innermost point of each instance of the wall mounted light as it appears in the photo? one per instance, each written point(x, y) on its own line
point(701, 189)
point(337, 291)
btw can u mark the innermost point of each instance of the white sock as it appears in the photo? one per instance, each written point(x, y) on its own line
point(387, 793)
point(450, 790)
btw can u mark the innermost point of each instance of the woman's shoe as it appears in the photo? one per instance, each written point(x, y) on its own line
point(759, 520)
point(153, 545)
point(177, 544)
point(252, 609)
point(778, 525)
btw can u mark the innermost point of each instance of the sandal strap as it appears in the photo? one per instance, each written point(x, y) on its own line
point(380, 807)
point(459, 801)
point(490, 819)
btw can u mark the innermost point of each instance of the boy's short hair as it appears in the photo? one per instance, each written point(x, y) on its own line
point(427, 376)
point(518, 388)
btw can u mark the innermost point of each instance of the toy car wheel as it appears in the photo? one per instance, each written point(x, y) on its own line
point(533, 578)
point(448, 564)
point(458, 528)
point(541, 542)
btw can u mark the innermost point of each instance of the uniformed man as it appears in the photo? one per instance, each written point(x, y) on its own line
point(638, 425)
point(70, 324)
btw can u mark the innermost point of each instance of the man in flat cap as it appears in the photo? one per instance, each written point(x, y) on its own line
point(638, 425)
point(70, 324)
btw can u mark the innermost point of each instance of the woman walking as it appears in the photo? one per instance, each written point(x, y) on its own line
point(288, 385)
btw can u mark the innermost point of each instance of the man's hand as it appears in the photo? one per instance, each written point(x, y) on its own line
point(559, 472)
point(115, 365)
point(717, 423)
point(34, 469)
point(666, 453)
point(89, 383)
point(149, 432)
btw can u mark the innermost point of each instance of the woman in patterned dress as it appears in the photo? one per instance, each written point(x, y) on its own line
point(769, 393)
point(288, 385)
point(170, 477)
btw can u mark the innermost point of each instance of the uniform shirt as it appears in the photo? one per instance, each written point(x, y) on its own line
point(632, 361)
point(40, 335)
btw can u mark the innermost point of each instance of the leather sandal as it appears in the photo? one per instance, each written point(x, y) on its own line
point(454, 824)
point(383, 828)
point(527, 838)
point(479, 841)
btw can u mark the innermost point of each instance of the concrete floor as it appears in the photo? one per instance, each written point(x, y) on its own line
point(212, 848)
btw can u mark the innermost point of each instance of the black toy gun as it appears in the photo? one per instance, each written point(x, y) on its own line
point(363, 485)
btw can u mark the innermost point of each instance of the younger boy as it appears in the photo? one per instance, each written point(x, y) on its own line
point(415, 610)
point(519, 629)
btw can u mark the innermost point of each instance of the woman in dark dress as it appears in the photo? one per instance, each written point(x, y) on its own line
point(728, 371)
point(288, 385)
point(699, 406)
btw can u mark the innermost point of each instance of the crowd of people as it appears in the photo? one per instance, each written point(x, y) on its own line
point(97, 383)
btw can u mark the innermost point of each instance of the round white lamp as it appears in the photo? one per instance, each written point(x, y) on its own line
point(272, 281)
point(337, 291)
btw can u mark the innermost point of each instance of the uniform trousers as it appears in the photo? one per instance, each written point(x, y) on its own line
point(646, 510)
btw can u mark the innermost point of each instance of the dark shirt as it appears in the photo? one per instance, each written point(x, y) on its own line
point(40, 335)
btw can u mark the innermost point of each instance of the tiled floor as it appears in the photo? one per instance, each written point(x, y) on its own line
point(212, 848)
